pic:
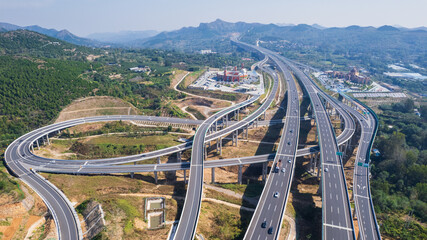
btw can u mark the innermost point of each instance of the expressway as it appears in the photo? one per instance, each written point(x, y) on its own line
point(193, 199)
point(19, 160)
point(187, 224)
point(64, 215)
point(336, 211)
point(368, 226)
point(268, 215)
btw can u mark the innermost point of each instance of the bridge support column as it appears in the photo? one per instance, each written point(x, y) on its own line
point(264, 171)
point(236, 133)
point(238, 114)
point(239, 176)
point(47, 139)
point(226, 120)
point(179, 158)
point(38, 145)
point(155, 173)
point(32, 147)
point(205, 150)
point(220, 146)
point(316, 158)
point(264, 115)
point(132, 174)
point(311, 163)
point(216, 126)
point(213, 175)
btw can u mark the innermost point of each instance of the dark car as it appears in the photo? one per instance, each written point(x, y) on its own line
point(264, 224)
point(270, 230)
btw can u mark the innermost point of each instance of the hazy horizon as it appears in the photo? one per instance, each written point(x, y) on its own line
point(94, 16)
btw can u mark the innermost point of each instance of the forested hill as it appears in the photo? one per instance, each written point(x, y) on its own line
point(28, 43)
point(38, 76)
point(34, 91)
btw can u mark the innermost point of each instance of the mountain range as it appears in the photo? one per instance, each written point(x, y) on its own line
point(64, 35)
point(215, 35)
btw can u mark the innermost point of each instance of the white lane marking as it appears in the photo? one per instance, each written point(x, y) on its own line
point(360, 196)
point(335, 226)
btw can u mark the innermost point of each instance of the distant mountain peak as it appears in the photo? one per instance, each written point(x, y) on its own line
point(387, 28)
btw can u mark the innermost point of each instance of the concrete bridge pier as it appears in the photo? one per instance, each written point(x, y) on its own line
point(310, 167)
point(132, 174)
point(264, 172)
point(239, 176)
point(38, 145)
point(47, 139)
point(155, 173)
point(315, 163)
point(213, 175)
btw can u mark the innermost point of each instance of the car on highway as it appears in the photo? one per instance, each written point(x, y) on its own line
point(289, 143)
point(289, 161)
point(276, 194)
point(283, 170)
point(270, 230)
point(326, 170)
point(291, 131)
point(276, 169)
point(264, 224)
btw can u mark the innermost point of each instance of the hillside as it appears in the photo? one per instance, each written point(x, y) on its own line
point(29, 43)
point(64, 35)
point(354, 38)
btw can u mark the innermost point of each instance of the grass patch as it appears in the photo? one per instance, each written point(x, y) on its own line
point(393, 226)
point(196, 113)
point(9, 186)
point(6, 222)
point(114, 146)
point(163, 139)
point(222, 222)
point(82, 206)
point(249, 190)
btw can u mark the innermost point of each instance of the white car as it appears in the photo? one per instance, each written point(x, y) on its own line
point(276, 194)
point(326, 170)
point(283, 170)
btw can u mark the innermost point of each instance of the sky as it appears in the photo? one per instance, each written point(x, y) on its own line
point(83, 17)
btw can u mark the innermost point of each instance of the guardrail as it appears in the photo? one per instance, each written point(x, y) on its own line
point(368, 157)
